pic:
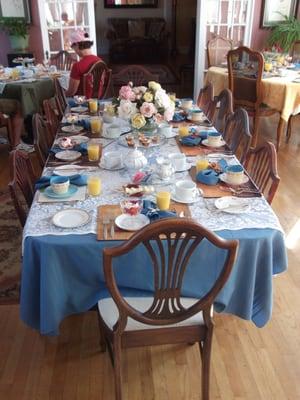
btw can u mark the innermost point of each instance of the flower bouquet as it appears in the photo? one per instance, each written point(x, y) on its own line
point(144, 107)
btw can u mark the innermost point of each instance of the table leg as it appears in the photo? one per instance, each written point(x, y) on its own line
point(280, 127)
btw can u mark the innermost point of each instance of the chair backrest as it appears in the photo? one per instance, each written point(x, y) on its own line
point(60, 97)
point(261, 164)
point(98, 79)
point(217, 49)
point(245, 69)
point(205, 100)
point(237, 134)
point(296, 51)
point(170, 244)
point(136, 74)
point(22, 182)
point(42, 138)
point(223, 108)
point(63, 60)
point(52, 115)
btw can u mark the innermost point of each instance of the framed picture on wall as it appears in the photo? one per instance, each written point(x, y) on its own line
point(130, 3)
point(15, 8)
point(274, 11)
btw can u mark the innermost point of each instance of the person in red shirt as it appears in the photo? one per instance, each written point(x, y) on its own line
point(81, 44)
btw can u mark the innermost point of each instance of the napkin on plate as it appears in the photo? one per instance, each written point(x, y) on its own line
point(151, 211)
point(191, 140)
point(85, 123)
point(208, 177)
point(82, 148)
point(178, 117)
point(44, 181)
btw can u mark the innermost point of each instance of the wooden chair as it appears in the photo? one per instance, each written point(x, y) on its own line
point(63, 60)
point(237, 134)
point(245, 69)
point(22, 182)
point(42, 138)
point(205, 100)
point(52, 115)
point(169, 317)
point(217, 49)
point(136, 74)
point(296, 58)
point(223, 105)
point(60, 98)
point(99, 79)
point(261, 164)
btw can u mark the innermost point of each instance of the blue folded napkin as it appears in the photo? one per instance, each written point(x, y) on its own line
point(223, 164)
point(151, 211)
point(82, 148)
point(192, 140)
point(201, 134)
point(44, 181)
point(208, 177)
point(85, 123)
point(178, 117)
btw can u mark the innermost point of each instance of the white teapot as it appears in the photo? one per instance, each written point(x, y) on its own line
point(165, 169)
point(135, 160)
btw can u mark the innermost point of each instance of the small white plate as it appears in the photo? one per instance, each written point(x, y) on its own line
point(79, 139)
point(193, 200)
point(72, 128)
point(116, 168)
point(232, 205)
point(224, 178)
point(129, 223)
point(186, 168)
point(68, 155)
point(205, 142)
point(67, 170)
point(79, 109)
point(71, 218)
point(173, 134)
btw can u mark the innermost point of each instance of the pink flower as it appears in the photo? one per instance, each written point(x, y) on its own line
point(126, 93)
point(148, 109)
point(168, 114)
point(158, 118)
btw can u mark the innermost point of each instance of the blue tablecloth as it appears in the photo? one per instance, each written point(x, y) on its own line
point(62, 275)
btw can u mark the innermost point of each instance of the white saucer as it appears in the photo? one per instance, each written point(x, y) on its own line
point(68, 155)
point(117, 168)
point(179, 200)
point(186, 168)
point(232, 205)
point(205, 142)
point(223, 178)
point(79, 109)
point(72, 129)
point(71, 218)
point(123, 130)
point(79, 139)
point(129, 223)
point(67, 170)
point(173, 134)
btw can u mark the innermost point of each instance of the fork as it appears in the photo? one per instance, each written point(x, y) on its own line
point(105, 223)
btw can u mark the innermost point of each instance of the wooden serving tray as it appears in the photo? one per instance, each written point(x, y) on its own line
point(112, 211)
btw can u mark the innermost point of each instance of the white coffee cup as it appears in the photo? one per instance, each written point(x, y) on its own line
point(113, 131)
point(178, 160)
point(186, 104)
point(112, 159)
point(235, 174)
point(214, 138)
point(108, 118)
point(185, 190)
point(166, 130)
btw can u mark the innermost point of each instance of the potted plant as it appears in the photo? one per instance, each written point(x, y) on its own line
point(17, 29)
point(285, 33)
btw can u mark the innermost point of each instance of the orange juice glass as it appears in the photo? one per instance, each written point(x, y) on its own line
point(94, 185)
point(183, 131)
point(94, 151)
point(93, 106)
point(201, 163)
point(96, 125)
point(163, 200)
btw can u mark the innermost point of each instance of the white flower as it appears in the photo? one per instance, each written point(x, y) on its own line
point(162, 100)
point(126, 109)
point(154, 86)
point(139, 89)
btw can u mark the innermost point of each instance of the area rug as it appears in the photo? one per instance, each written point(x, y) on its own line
point(10, 251)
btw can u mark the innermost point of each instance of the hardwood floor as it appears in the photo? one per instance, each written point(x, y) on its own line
point(247, 363)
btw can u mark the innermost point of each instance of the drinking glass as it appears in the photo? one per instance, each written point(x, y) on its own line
point(163, 200)
point(201, 163)
point(94, 150)
point(94, 185)
point(96, 125)
point(93, 106)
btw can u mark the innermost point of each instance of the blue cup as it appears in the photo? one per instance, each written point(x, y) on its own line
point(235, 174)
point(214, 138)
point(60, 184)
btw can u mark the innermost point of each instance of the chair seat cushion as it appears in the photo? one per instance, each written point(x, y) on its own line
point(109, 313)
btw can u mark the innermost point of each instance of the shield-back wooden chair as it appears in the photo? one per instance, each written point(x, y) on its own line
point(42, 138)
point(205, 100)
point(99, 79)
point(51, 114)
point(237, 134)
point(21, 186)
point(217, 49)
point(261, 164)
point(60, 98)
point(166, 316)
point(245, 70)
point(223, 105)
point(63, 60)
point(136, 74)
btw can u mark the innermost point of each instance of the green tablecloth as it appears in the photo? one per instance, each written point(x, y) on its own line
point(31, 94)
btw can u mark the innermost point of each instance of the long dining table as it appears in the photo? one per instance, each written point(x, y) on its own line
point(62, 268)
point(279, 93)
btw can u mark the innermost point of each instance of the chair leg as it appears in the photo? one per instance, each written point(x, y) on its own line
point(102, 341)
point(117, 367)
point(255, 130)
point(279, 132)
point(206, 355)
point(289, 129)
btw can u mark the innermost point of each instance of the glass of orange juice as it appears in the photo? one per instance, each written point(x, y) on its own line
point(183, 130)
point(163, 200)
point(268, 66)
point(94, 150)
point(93, 106)
point(96, 125)
point(201, 163)
point(94, 185)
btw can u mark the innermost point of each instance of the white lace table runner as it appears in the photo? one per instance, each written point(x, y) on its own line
point(39, 221)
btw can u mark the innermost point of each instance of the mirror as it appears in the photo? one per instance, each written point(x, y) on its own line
point(130, 3)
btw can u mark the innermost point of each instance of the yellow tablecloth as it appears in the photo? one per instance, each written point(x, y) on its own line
point(279, 93)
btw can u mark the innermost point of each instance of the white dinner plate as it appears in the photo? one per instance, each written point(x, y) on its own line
point(68, 170)
point(191, 201)
point(224, 178)
point(79, 139)
point(132, 223)
point(205, 142)
point(115, 168)
point(71, 218)
point(232, 205)
point(72, 128)
point(79, 109)
point(68, 155)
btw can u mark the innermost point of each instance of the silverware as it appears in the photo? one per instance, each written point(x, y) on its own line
point(105, 223)
point(112, 227)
